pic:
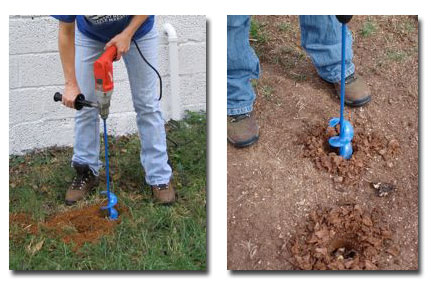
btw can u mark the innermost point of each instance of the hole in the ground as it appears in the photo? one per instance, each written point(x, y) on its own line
point(345, 248)
point(329, 149)
point(339, 238)
point(365, 146)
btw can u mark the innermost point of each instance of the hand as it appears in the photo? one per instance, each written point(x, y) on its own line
point(122, 42)
point(70, 94)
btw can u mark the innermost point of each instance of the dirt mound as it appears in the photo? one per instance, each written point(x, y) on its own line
point(365, 145)
point(342, 238)
point(83, 225)
point(76, 226)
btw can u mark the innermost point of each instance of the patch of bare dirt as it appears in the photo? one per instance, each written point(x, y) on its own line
point(77, 226)
point(272, 187)
point(342, 238)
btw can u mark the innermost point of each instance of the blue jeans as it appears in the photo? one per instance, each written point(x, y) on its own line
point(320, 37)
point(242, 66)
point(143, 85)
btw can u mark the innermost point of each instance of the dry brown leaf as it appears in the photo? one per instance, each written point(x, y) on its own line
point(367, 221)
point(322, 234)
point(370, 266)
point(35, 248)
point(323, 251)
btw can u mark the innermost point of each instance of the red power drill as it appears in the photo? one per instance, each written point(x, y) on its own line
point(103, 73)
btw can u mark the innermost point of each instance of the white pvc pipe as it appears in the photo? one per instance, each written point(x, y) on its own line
point(175, 106)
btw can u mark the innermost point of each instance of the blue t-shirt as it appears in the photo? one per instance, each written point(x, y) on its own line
point(105, 27)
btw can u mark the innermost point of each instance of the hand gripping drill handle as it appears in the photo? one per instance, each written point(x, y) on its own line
point(103, 73)
point(79, 103)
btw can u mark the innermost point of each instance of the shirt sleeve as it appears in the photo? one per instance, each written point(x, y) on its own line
point(65, 18)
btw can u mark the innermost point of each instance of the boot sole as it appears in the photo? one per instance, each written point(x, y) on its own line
point(359, 103)
point(69, 203)
point(245, 143)
point(168, 203)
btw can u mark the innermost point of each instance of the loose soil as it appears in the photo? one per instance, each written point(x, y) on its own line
point(342, 238)
point(274, 185)
point(366, 145)
point(77, 226)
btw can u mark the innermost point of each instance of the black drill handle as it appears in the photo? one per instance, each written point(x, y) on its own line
point(344, 18)
point(79, 103)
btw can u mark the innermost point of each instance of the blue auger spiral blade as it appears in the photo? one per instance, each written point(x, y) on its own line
point(343, 141)
point(112, 200)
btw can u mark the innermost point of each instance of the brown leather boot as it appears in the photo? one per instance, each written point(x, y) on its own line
point(163, 193)
point(357, 92)
point(83, 183)
point(242, 130)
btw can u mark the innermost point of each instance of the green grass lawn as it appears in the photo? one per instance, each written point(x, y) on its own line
point(148, 237)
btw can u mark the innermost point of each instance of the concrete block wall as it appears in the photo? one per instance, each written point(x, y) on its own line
point(35, 73)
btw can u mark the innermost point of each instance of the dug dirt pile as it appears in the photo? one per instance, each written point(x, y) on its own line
point(342, 238)
point(81, 225)
point(365, 146)
point(77, 226)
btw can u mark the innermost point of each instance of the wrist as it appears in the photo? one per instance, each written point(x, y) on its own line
point(71, 83)
point(129, 32)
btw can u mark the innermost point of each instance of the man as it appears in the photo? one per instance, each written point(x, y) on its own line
point(78, 52)
point(321, 39)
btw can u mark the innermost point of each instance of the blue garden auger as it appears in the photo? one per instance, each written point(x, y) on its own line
point(342, 141)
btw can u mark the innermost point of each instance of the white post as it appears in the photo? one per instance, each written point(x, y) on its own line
point(175, 106)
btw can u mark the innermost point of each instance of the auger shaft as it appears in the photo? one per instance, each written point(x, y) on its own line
point(343, 76)
point(344, 139)
point(111, 197)
point(106, 157)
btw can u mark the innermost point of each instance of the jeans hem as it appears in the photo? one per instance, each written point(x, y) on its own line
point(95, 171)
point(160, 181)
point(337, 79)
point(238, 111)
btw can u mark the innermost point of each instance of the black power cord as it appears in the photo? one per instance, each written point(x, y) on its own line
point(153, 68)
point(160, 81)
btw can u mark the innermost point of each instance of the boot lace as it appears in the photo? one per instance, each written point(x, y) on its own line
point(80, 181)
point(161, 186)
point(350, 79)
